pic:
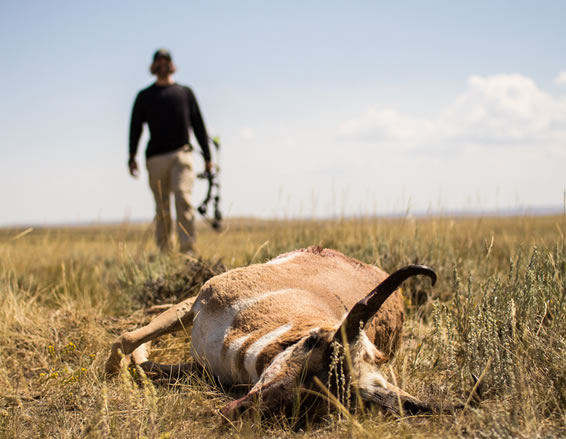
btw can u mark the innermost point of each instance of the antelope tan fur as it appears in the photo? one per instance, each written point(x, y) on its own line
point(293, 323)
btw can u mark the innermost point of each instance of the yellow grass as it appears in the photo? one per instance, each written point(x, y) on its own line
point(499, 308)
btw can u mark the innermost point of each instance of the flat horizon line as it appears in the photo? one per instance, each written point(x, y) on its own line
point(407, 213)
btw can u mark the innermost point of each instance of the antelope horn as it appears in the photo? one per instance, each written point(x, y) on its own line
point(366, 308)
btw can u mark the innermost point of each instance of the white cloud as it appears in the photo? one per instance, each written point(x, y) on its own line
point(498, 110)
point(561, 78)
point(247, 133)
point(382, 125)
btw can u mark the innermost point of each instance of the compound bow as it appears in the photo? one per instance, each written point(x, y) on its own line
point(213, 179)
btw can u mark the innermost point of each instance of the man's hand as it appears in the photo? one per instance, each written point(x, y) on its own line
point(132, 164)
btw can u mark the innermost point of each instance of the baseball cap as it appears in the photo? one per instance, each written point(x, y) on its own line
point(161, 53)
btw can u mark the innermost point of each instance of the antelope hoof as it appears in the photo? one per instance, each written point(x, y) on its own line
point(112, 366)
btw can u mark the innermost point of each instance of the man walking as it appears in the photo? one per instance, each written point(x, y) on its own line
point(170, 110)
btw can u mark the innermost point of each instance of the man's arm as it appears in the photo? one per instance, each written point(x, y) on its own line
point(199, 129)
point(136, 125)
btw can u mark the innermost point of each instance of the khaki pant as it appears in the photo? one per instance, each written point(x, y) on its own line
point(173, 173)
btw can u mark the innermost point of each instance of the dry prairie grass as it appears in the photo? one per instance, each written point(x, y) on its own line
point(499, 308)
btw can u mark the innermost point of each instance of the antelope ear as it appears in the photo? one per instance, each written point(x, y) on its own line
point(313, 340)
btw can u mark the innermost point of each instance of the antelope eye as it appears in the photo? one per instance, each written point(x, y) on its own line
point(312, 341)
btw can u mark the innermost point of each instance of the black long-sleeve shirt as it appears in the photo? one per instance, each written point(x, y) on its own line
point(170, 111)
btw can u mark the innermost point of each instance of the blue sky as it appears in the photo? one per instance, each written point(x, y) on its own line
point(323, 107)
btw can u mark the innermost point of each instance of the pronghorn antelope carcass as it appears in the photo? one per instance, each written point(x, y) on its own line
point(280, 327)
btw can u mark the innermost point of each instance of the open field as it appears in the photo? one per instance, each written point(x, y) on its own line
point(498, 311)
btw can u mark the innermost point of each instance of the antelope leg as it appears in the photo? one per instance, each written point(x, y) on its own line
point(141, 355)
point(172, 320)
point(156, 309)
